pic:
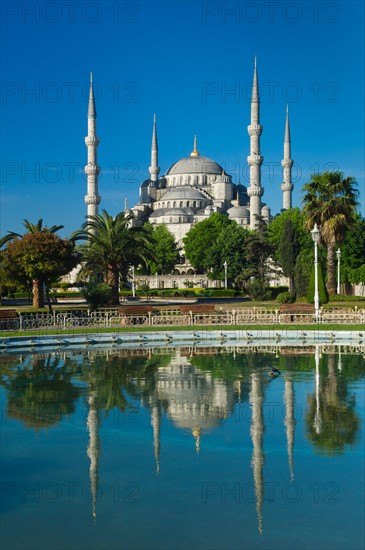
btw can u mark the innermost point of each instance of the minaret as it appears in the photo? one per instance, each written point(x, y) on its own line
point(154, 169)
point(92, 170)
point(257, 436)
point(156, 425)
point(93, 450)
point(287, 163)
point(289, 421)
point(255, 160)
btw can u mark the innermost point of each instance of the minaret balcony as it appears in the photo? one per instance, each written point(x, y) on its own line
point(255, 160)
point(255, 129)
point(92, 141)
point(287, 186)
point(92, 169)
point(255, 191)
point(287, 163)
point(92, 199)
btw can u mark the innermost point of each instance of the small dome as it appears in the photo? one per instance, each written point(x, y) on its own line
point(195, 165)
point(238, 212)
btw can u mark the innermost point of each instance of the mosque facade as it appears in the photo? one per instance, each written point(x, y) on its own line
point(195, 186)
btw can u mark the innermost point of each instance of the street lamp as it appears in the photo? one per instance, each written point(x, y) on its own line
point(133, 285)
point(225, 274)
point(315, 236)
point(338, 254)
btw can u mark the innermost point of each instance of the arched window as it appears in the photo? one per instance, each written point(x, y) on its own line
point(188, 204)
point(194, 204)
point(174, 204)
point(168, 204)
point(181, 204)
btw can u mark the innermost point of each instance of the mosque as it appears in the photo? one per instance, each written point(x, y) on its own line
point(195, 186)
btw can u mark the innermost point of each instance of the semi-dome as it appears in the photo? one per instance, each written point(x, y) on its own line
point(195, 165)
point(182, 193)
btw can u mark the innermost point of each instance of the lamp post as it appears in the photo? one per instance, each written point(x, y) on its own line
point(338, 254)
point(315, 236)
point(133, 285)
point(225, 275)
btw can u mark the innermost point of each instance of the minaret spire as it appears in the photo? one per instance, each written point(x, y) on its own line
point(92, 169)
point(154, 169)
point(255, 160)
point(287, 163)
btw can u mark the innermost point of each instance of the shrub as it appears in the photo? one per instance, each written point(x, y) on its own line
point(275, 291)
point(223, 293)
point(322, 290)
point(286, 298)
point(96, 294)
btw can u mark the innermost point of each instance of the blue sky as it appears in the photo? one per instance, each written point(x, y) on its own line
point(182, 61)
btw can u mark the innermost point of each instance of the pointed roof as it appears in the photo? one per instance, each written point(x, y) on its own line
point(287, 126)
point(91, 113)
point(154, 134)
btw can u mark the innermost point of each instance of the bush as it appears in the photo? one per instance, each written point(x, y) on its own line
point(96, 294)
point(223, 293)
point(346, 298)
point(322, 290)
point(275, 291)
point(257, 289)
point(286, 298)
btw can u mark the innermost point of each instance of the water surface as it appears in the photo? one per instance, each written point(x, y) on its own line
point(183, 448)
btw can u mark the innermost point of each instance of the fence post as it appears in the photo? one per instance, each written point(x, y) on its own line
point(20, 321)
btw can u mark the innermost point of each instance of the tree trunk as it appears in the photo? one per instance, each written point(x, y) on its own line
point(38, 297)
point(49, 299)
point(331, 269)
point(113, 282)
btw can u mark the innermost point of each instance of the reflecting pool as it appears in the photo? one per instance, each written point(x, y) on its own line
point(179, 448)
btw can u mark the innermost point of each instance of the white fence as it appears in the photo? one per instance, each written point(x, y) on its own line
point(116, 319)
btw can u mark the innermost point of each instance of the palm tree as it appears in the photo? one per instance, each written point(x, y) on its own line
point(112, 246)
point(31, 228)
point(330, 201)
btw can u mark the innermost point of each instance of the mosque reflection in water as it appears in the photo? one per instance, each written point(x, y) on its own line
point(196, 389)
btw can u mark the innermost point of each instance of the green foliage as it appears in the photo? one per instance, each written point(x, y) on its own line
point(288, 251)
point(353, 249)
point(286, 298)
point(276, 229)
point(41, 255)
point(276, 290)
point(357, 276)
point(257, 289)
point(112, 246)
point(166, 250)
point(200, 239)
point(345, 298)
point(322, 290)
point(330, 201)
point(96, 294)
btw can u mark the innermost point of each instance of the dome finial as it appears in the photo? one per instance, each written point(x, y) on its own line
point(195, 152)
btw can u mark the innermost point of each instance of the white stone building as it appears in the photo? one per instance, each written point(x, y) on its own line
point(195, 186)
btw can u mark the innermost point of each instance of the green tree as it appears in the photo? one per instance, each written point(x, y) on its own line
point(353, 248)
point(112, 246)
point(275, 230)
point(31, 229)
point(200, 239)
point(166, 250)
point(322, 290)
point(288, 251)
point(228, 247)
point(41, 256)
point(330, 201)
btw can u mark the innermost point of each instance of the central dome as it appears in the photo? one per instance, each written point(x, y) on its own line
point(195, 165)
